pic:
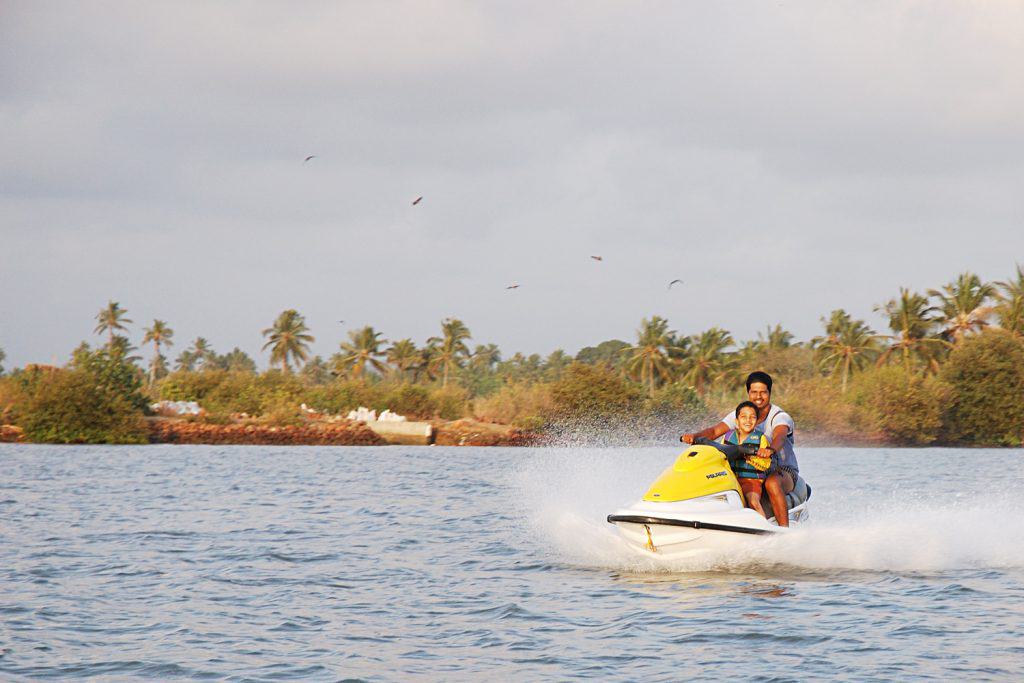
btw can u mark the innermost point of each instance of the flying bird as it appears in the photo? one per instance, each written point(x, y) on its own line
point(311, 156)
point(341, 322)
point(597, 258)
point(673, 282)
point(513, 286)
point(417, 201)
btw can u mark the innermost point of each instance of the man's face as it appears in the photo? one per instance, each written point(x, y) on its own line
point(759, 395)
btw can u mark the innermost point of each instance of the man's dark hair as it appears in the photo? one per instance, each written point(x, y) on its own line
point(762, 377)
point(746, 404)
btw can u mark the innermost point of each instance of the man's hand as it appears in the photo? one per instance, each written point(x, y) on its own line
point(766, 452)
point(688, 438)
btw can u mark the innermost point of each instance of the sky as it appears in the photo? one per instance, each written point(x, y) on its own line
point(782, 158)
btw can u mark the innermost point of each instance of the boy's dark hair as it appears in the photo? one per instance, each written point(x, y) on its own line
point(762, 377)
point(746, 404)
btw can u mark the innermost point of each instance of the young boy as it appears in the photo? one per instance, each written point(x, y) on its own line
point(751, 470)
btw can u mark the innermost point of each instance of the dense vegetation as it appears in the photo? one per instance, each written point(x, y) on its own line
point(949, 369)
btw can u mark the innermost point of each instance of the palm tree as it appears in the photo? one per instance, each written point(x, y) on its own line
point(157, 366)
point(962, 306)
point(707, 360)
point(362, 349)
point(403, 356)
point(237, 360)
point(424, 365)
point(486, 356)
point(557, 361)
point(911, 320)
point(1010, 308)
point(848, 345)
point(649, 359)
point(315, 371)
point(185, 362)
point(289, 339)
point(203, 353)
point(110, 320)
point(159, 334)
point(450, 348)
point(775, 338)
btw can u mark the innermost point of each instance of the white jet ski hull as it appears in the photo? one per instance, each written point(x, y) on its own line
point(685, 529)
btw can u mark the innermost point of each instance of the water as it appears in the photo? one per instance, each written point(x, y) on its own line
point(265, 563)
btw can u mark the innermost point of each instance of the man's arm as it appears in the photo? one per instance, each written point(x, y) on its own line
point(779, 435)
point(709, 433)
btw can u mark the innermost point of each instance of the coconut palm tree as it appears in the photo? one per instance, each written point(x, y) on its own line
point(203, 353)
point(185, 362)
point(912, 321)
point(707, 360)
point(449, 350)
point(362, 349)
point(649, 360)
point(848, 345)
point(315, 371)
point(403, 356)
point(556, 362)
point(963, 306)
point(485, 357)
point(111, 320)
point(289, 339)
point(1010, 309)
point(2, 356)
point(122, 348)
point(158, 366)
point(159, 334)
point(237, 360)
point(775, 338)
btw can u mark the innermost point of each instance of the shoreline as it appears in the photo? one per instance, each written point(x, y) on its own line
point(463, 432)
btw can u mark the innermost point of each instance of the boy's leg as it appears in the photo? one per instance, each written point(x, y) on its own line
point(752, 492)
point(754, 501)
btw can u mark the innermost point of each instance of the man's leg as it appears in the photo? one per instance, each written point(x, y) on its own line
point(777, 486)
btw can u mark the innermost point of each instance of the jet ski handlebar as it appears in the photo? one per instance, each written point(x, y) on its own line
point(731, 451)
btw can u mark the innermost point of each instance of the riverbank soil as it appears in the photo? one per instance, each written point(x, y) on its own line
point(162, 430)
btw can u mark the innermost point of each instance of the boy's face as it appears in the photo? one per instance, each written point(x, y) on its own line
point(759, 395)
point(747, 419)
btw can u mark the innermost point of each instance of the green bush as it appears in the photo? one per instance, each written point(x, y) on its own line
point(677, 401)
point(899, 407)
point(114, 374)
point(817, 406)
point(10, 393)
point(985, 374)
point(594, 391)
point(68, 406)
point(183, 385)
point(524, 405)
point(343, 395)
point(450, 403)
point(408, 399)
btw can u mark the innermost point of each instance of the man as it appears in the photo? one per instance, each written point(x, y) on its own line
point(779, 427)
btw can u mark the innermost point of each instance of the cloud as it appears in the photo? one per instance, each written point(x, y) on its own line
point(786, 158)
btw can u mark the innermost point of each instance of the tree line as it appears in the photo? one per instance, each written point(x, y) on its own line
point(838, 376)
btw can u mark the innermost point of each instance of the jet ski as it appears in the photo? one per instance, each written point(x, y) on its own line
point(696, 507)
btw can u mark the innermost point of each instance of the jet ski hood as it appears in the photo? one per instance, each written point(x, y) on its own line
point(699, 471)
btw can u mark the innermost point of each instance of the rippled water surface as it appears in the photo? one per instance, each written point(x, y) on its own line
point(434, 563)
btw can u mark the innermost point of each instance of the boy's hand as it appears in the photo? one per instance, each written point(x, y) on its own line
point(687, 438)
